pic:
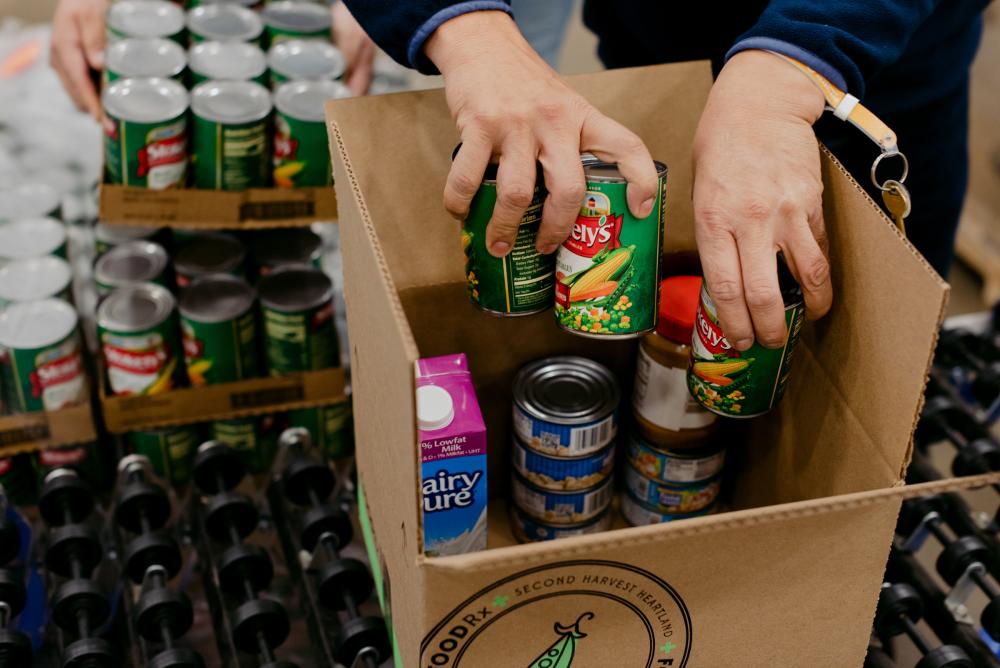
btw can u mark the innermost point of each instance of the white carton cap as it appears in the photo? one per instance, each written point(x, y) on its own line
point(435, 408)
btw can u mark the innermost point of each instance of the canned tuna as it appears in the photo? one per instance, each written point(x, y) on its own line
point(298, 320)
point(144, 58)
point(218, 330)
point(304, 60)
point(231, 137)
point(331, 428)
point(527, 529)
point(170, 450)
point(566, 507)
point(638, 514)
point(565, 406)
point(30, 200)
point(301, 147)
point(679, 467)
point(563, 473)
point(289, 19)
point(41, 368)
point(130, 263)
point(226, 61)
point(137, 330)
point(671, 498)
point(224, 22)
point(271, 249)
point(209, 254)
point(107, 236)
point(256, 438)
point(145, 133)
point(32, 237)
point(35, 278)
point(145, 18)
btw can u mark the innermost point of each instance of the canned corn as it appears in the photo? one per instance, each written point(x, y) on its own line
point(638, 514)
point(304, 60)
point(298, 320)
point(289, 19)
point(565, 406)
point(137, 57)
point(32, 237)
point(170, 450)
point(209, 254)
point(271, 249)
point(107, 236)
point(145, 18)
point(226, 61)
point(564, 507)
point(231, 135)
point(563, 473)
point(35, 278)
point(301, 147)
point(670, 498)
point(527, 529)
point(224, 22)
point(130, 263)
point(30, 200)
point(218, 330)
point(255, 437)
point(679, 467)
point(137, 330)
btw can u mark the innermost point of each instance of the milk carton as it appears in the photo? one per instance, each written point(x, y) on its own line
point(452, 455)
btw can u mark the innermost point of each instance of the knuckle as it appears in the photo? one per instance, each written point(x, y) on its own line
point(816, 273)
point(551, 111)
point(631, 144)
point(762, 298)
point(517, 196)
point(568, 194)
point(712, 217)
point(726, 291)
point(464, 185)
point(757, 210)
point(789, 209)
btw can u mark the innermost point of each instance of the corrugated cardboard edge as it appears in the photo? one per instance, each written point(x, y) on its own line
point(69, 426)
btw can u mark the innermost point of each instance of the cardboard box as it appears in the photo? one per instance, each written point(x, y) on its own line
point(28, 432)
point(256, 208)
point(255, 396)
point(789, 578)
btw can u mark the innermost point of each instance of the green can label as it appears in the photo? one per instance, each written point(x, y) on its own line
point(170, 451)
point(255, 437)
point(231, 156)
point(608, 270)
point(145, 362)
point(733, 383)
point(523, 281)
point(300, 340)
point(301, 153)
point(220, 352)
point(43, 379)
point(146, 155)
point(331, 428)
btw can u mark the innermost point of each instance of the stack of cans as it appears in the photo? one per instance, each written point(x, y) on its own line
point(565, 426)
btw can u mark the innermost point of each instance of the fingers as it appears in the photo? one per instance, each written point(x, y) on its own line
point(566, 187)
point(362, 70)
point(74, 72)
point(613, 142)
point(515, 190)
point(807, 260)
point(466, 173)
point(91, 28)
point(761, 289)
point(720, 263)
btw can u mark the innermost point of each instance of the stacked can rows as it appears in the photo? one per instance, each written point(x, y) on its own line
point(230, 132)
point(565, 426)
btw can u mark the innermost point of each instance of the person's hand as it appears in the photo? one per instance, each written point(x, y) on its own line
point(758, 190)
point(77, 48)
point(508, 103)
point(357, 47)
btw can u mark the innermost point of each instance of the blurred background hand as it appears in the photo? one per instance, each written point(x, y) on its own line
point(357, 47)
point(77, 50)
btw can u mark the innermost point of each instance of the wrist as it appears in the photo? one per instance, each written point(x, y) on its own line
point(779, 82)
point(469, 37)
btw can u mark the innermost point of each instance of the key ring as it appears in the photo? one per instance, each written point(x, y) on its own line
point(891, 153)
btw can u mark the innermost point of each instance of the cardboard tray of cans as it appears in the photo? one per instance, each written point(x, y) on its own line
point(817, 482)
point(27, 432)
point(255, 208)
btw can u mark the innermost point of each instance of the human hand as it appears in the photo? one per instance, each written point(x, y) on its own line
point(508, 103)
point(357, 47)
point(77, 48)
point(758, 190)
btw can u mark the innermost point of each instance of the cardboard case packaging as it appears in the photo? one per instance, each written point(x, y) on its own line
point(789, 577)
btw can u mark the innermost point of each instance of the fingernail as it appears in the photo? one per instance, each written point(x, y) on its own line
point(546, 249)
point(500, 248)
point(743, 344)
point(647, 207)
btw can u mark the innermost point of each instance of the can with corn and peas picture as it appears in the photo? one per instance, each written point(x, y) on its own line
point(608, 270)
point(218, 330)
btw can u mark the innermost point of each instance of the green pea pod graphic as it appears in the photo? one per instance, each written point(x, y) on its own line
point(560, 654)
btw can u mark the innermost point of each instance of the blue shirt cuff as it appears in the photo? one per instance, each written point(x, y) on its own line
point(792, 51)
point(415, 50)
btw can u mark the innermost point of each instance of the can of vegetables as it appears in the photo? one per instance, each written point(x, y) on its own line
point(608, 270)
point(748, 383)
point(218, 330)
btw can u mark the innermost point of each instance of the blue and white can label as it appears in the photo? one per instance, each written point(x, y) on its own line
point(565, 440)
point(527, 529)
point(671, 499)
point(679, 467)
point(636, 514)
point(563, 473)
point(561, 507)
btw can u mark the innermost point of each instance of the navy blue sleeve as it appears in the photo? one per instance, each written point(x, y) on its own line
point(847, 41)
point(401, 27)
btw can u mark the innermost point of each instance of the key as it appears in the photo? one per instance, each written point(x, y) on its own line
point(897, 200)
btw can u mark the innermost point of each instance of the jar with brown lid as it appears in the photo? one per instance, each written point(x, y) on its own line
point(665, 414)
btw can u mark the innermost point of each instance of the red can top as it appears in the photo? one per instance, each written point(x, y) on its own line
point(679, 297)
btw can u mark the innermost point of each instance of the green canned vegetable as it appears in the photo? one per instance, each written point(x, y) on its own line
point(144, 18)
point(742, 384)
point(208, 254)
point(301, 151)
point(18, 480)
point(297, 304)
point(226, 61)
point(170, 450)
point(137, 57)
point(231, 135)
point(219, 330)
point(271, 249)
point(145, 133)
point(41, 367)
point(129, 263)
point(138, 334)
point(224, 22)
point(304, 60)
point(608, 270)
point(256, 437)
point(107, 236)
point(331, 427)
point(32, 237)
point(289, 19)
point(35, 278)
point(523, 281)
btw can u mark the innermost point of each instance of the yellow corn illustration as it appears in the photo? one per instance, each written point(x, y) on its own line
point(600, 273)
point(721, 368)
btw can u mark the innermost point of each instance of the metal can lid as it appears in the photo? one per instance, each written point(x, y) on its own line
point(36, 324)
point(599, 171)
point(279, 247)
point(145, 57)
point(131, 262)
point(295, 288)
point(566, 390)
point(230, 101)
point(135, 307)
point(34, 278)
point(209, 253)
point(296, 16)
point(145, 100)
point(145, 18)
point(31, 237)
point(238, 61)
point(304, 99)
point(29, 200)
point(216, 298)
point(306, 59)
point(525, 518)
point(225, 21)
point(520, 479)
point(116, 234)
